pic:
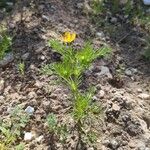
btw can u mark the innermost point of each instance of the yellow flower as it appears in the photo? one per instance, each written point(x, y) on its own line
point(68, 37)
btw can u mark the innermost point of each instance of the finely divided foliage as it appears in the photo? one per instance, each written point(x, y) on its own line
point(5, 42)
point(10, 129)
point(70, 69)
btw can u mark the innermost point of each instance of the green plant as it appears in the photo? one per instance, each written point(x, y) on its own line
point(21, 146)
point(56, 129)
point(115, 5)
point(10, 129)
point(5, 42)
point(84, 111)
point(128, 7)
point(143, 21)
point(147, 49)
point(21, 68)
point(97, 6)
point(82, 106)
point(120, 70)
point(74, 63)
point(69, 70)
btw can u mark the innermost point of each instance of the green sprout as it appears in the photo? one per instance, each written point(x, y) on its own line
point(55, 128)
point(21, 68)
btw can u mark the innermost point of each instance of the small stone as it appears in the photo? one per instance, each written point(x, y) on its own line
point(88, 73)
point(144, 96)
point(1, 85)
point(12, 25)
point(139, 90)
point(42, 57)
point(122, 2)
point(113, 20)
point(105, 72)
point(7, 59)
point(75, 21)
point(28, 136)
point(143, 124)
point(10, 4)
point(98, 87)
point(38, 84)
point(128, 72)
point(101, 94)
point(100, 34)
point(126, 118)
point(80, 5)
point(116, 107)
point(32, 67)
point(46, 18)
point(134, 70)
point(29, 110)
point(25, 56)
point(133, 129)
point(114, 144)
point(132, 144)
point(31, 95)
point(106, 142)
point(90, 148)
point(1, 98)
point(94, 98)
point(141, 146)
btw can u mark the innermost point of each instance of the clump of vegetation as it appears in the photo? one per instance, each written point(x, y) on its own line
point(5, 42)
point(56, 129)
point(147, 49)
point(69, 70)
point(10, 129)
point(21, 68)
point(97, 6)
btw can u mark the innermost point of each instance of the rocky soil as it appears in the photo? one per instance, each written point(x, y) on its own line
point(123, 93)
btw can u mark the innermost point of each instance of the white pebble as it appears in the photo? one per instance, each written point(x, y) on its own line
point(139, 90)
point(28, 136)
point(128, 72)
point(101, 94)
point(29, 110)
point(42, 57)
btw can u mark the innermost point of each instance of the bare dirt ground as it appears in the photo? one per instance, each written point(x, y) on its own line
point(125, 96)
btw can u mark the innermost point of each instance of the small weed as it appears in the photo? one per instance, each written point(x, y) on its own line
point(21, 68)
point(144, 21)
point(120, 70)
point(128, 7)
point(10, 129)
point(5, 42)
point(97, 6)
point(147, 49)
point(21, 146)
point(115, 5)
point(56, 129)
